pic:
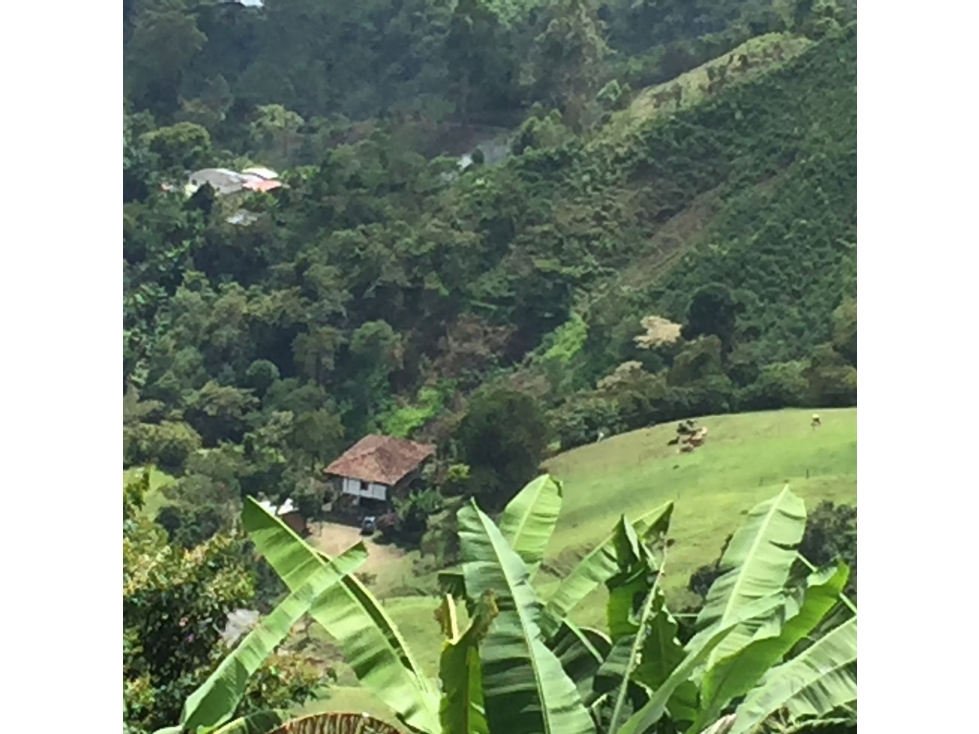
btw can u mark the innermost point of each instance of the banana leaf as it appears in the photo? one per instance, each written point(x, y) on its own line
point(801, 612)
point(757, 563)
point(528, 519)
point(581, 652)
point(817, 682)
point(646, 717)
point(645, 649)
point(462, 710)
point(599, 566)
point(524, 686)
point(620, 666)
point(370, 641)
point(215, 701)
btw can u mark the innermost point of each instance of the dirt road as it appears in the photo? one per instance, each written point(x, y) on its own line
point(333, 539)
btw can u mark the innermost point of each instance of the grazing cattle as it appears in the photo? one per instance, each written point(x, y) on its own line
point(686, 449)
point(815, 420)
point(673, 441)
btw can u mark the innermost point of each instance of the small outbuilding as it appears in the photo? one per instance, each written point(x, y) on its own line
point(289, 514)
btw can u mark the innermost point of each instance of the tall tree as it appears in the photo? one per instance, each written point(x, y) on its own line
point(502, 438)
point(164, 41)
point(569, 57)
point(481, 62)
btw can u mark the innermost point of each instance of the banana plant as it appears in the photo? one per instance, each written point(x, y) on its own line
point(462, 708)
point(772, 615)
point(371, 643)
point(524, 687)
point(527, 523)
point(756, 616)
point(522, 666)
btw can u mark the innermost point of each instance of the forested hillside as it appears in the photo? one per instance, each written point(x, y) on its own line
point(505, 227)
point(379, 288)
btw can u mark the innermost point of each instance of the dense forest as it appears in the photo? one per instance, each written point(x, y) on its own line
point(504, 228)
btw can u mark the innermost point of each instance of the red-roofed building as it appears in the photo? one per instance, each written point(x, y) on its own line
point(378, 468)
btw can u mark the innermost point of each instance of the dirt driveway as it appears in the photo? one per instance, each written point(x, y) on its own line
point(333, 538)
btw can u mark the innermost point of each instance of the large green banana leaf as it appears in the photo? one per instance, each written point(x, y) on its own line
point(369, 639)
point(756, 564)
point(581, 652)
point(645, 649)
point(820, 680)
point(646, 717)
point(462, 710)
point(528, 519)
point(597, 567)
point(797, 617)
point(636, 575)
point(524, 686)
point(624, 658)
point(215, 701)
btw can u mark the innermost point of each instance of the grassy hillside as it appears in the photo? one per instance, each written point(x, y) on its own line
point(746, 460)
point(159, 480)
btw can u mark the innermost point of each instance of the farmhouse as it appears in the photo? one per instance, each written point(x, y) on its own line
point(377, 469)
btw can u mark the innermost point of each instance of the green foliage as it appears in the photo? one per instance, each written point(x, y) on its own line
point(184, 146)
point(845, 329)
point(261, 375)
point(507, 673)
point(831, 535)
point(215, 701)
point(712, 311)
point(413, 513)
point(462, 707)
point(167, 444)
point(502, 439)
point(402, 421)
point(175, 603)
point(379, 276)
point(832, 382)
point(219, 411)
point(778, 384)
point(524, 687)
point(371, 643)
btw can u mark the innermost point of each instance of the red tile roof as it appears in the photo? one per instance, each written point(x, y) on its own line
point(262, 185)
point(380, 459)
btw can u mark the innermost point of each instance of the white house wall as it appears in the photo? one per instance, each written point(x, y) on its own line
point(364, 489)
